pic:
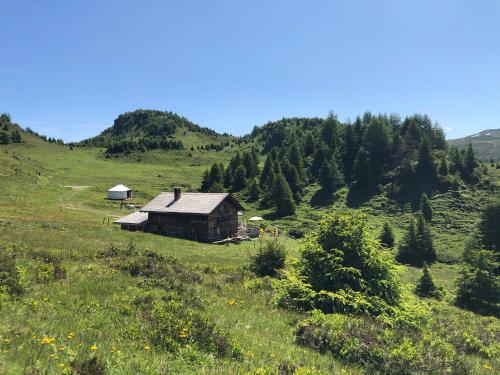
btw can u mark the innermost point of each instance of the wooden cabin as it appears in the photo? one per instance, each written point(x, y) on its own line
point(204, 217)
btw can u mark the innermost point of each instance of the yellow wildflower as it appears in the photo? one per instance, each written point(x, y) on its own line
point(487, 366)
point(93, 347)
point(48, 340)
point(71, 335)
point(147, 347)
point(61, 365)
point(232, 301)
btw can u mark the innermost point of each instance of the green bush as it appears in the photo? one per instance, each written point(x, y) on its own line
point(269, 259)
point(10, 280)
point(379, 347)
point(341, 269)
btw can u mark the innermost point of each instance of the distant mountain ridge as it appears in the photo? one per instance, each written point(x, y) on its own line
point(486, 144)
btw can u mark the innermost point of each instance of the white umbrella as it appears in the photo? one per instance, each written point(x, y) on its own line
point(256, 218)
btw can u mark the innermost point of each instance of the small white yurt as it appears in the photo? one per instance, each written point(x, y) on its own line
point(119, 192)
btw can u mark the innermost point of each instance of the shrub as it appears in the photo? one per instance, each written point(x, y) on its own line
point(426, 286)
point(269, 259)
point(376, 346)
point(10, 282)
point(342, 269)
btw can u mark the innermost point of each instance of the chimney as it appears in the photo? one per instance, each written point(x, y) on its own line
point(177, 193)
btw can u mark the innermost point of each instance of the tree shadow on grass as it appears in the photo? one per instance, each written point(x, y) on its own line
point(359, 194)
point(322, 198)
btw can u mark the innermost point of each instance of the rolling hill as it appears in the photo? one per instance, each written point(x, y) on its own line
point(144, 129)
point(486, 144)
point(95, 299)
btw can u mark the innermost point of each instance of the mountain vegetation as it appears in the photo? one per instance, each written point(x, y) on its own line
point(360, 292)
point(143, 130)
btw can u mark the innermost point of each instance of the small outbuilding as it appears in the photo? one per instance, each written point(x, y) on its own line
point(120, 192)
point(135, 221)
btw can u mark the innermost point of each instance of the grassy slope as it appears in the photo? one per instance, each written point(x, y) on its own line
point(37, 211)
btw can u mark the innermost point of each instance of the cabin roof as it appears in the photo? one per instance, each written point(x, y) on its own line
point(119, 187)
point(188, 203)
point(135, 218)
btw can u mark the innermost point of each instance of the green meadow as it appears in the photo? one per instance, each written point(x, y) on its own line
point(86, 308)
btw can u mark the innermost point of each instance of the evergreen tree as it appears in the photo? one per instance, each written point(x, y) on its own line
point(296, 158)
point(387, 236)
point(489, 227)
point(16, 136)
point(330, 177)
point(282, 196)
point(228, 177)
point(470, 161)
point(425, 207)
point(254, 191)
point(351, 147)
point(417, 246)
point(443, 168)
point(426, 287)
point(363, 173)
point(329, 131)
point(321, 154)
point(4, 137)
point(426, 168)
point(250, 164)
point(478, 286)
point(456, 165)
point(239, 178)
point(293, 179)
point(309, 144)
point(266, 171)
point(205, 182)
point(376, 141)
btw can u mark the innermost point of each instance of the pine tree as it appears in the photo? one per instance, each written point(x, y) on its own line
point(321, 154)
point(293, 179)
point(4, 137)
point(330, 178)
point(417, 246)
point(309, 144)
point(351, 148)
point(329, 131)
point(296, 158)
point(456, 165)
point(254, 191)
point(266, 171)
point(205, 182)
point(387, 236)
point(426, 168)
point(239, 178)
point(228, 177)
point(363, 173)
point(425, 207)
point(489, 227)
point(426, 287)
point(16, 136)
point(282, 196)
point(470, 161)
point(443, 168)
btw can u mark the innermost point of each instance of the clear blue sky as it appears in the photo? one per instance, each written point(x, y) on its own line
point(68, 68)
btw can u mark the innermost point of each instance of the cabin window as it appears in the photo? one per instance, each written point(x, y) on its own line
point(222, 209)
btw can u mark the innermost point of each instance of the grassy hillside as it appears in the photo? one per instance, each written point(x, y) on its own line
point(92, 300)
point(143, 130)
point(485, 143)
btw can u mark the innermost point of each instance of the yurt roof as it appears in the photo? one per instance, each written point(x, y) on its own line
point(119, 187)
